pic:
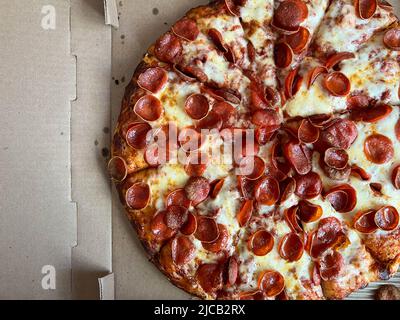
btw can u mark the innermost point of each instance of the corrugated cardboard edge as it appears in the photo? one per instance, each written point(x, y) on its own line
point(111, 13)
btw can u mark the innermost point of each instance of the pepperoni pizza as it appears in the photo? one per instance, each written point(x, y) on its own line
point(257, 152)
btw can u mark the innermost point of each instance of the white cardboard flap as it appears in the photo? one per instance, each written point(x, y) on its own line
point(106, 286)
point(111, 13)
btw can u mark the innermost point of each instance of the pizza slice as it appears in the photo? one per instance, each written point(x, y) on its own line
point(346, 80)
point(375, 70)
point(358, 163)
point(348, 24)
point(273, 262)
point(256, 17)
point(296, 22)
point(206, 57)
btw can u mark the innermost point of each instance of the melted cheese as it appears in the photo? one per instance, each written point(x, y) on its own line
point(375, 71)
point(342, 30)
point(313, 100)
point(260, 11)
point(173, 98)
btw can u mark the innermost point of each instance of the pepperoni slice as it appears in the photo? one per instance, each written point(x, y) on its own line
point(252, 295)
point(252, 167)
point(266, 118)
point(341, 134)
point(289, 15)
point(267, 191)
point(314, 74)
point(364, 222)
point(190, 225)
point(385, 5)
point(175, 217)
point(336, 158)
point(153, 79)
point(193, 72)
point(308, 186)
point(291, 247)
point(211, 121)
point(397, 128)
point(292, 220)
point(331, 266)
point(343, 198)
point(216, 187)
point(366, 8)
point(217, 39)
point(138, 196)
point(359, 172)
point(207, 229)
point(335, 174)
point(320, 120)
point(154, 155)
point(196, 164)
point(149, 108)
point(178, 198)
point(287, 188)
point(337, 84)
point(230, 95)
point(261, 242)
point(246, 187)
point(209, 276)
point(227, 113)
point(392, 39)
point(396, 177)
point(117, 168)
point(265, 134)
point(159, 228)
point(387, 218)
point(378, 148)
point(307, 133)
point(168, 48)
point(183, 250)
point(136, 135)
point(336, 58)
point(371, 114)
point(197, 189)
point(232, 271)
point(292, 83)
point(232, 7)
point(197, 106)
point(299, 156)
point(184, 74)
point(186, 29)
point(190, 139)
point(271, 283)
point(328, 235)
point(245, 213)
point(298, 41)
point(309, 212)
point(357, 102)
point(220, 243)
point(283, 55)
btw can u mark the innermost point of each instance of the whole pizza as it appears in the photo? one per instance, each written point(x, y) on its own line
point(257, 152)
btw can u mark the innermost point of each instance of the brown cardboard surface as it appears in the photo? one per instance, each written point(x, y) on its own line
point(90, 137)
point(54, 195)
point(37, 83)
point(141, 22)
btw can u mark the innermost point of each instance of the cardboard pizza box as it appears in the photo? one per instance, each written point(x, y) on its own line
point(63, 69)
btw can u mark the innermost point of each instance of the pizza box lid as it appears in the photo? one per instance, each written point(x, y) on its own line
point(64, 67)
